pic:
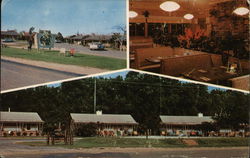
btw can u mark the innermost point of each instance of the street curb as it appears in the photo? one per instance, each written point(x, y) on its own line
point(70, 69)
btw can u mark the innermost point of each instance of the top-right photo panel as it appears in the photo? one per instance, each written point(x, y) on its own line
point(201, 40)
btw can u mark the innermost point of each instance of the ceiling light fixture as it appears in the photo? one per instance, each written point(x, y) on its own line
point(241, 11)
point(188, 16)
point(132, 14)
point(169, 6)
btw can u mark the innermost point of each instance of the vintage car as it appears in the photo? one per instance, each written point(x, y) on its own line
point(96, 46)
point(8, 40)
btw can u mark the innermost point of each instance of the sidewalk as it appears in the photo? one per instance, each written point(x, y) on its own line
point(55, 66)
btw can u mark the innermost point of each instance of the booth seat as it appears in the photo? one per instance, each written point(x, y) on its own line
point(177, 66)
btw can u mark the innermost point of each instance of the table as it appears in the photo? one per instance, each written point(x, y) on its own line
point(212, 75)
point(159, 58)
point(154, 60)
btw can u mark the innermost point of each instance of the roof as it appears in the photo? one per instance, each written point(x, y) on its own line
point(90, 37)
point(10, 33)
point(20, 117)
point(188, 120)
point(78, 37)
point(104, 118)
point(99, 37)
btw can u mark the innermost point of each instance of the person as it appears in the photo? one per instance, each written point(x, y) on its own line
point(30, 41)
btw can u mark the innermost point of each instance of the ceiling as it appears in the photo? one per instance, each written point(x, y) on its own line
point(199, 8)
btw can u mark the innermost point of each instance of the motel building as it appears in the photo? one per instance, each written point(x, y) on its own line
point(85, 39)
point(10, 34)
point(183, 125)
point(107, 124)
point(192, 126)
point(20, 124)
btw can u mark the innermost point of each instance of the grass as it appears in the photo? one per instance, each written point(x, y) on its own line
point(225, 142)
point(91, 142)
point(126, 142)
point(56, 57)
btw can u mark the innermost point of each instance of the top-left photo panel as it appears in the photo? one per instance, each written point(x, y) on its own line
point(46, 41)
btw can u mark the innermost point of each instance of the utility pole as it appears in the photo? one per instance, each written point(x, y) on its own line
point(95, 97)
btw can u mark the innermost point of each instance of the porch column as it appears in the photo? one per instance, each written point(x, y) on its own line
point(146, 28)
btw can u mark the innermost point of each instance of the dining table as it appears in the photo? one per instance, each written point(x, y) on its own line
point(211, 75)
point(159, 58)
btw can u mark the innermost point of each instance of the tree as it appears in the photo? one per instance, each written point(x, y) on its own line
point(59, 37)
point(144, 96)
point(232, 109)
point(119, 37)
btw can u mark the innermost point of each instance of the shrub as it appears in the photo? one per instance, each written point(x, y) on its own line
point(24, 133)
point(5, 134)
point(18, 133)
point(11, 133)
point(87, 130)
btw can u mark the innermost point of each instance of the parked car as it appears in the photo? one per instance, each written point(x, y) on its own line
point(8, 40)
point(58, 41)
point(96, 46)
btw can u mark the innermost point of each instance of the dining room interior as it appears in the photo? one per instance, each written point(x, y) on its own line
point(201, 40)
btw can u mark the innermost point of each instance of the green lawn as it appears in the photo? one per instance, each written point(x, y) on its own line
point(56, 57)
point(126, 142)
point(91, 142)
point(225, 142)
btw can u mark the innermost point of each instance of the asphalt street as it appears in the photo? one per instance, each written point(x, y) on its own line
point(10, 148)
point(222, 153)
point(16, 75)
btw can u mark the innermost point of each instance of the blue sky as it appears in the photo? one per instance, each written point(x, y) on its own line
point(114, 75)
point(124, 73)
point(65, 16)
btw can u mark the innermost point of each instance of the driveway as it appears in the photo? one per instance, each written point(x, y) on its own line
point(86, 50)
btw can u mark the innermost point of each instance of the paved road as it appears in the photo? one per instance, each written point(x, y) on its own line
point(9, 149)
point(86, 50)
point(222, 153)
point(16, 75)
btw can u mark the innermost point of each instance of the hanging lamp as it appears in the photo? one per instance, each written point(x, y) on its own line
point(132, 14)
point(169, 6)
point(241, 11)
point(241, 8)
point(189, 16)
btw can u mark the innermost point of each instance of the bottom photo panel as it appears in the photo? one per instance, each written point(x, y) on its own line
point(127, 114)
